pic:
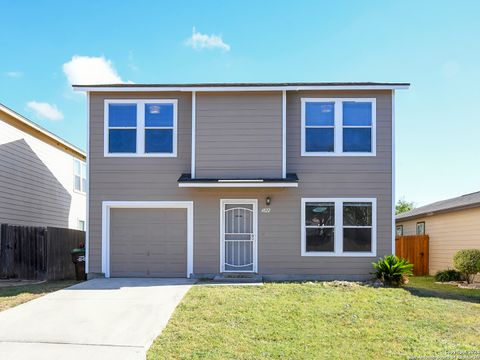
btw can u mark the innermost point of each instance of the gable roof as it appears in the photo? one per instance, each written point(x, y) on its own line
point(292, 86)
point(466, 201)
point(21, 122)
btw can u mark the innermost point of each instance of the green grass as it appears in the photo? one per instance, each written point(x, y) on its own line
point(16, 295)
point(426, 286)
point(315, 321)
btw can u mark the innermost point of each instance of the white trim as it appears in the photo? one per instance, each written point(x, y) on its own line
point(236, 88)
point(87, 216)
point(107, 205)
point(338, 127)
point(254, 203)
point(194, 132)
point(284, 134)
point(238, 184)
point(140, 150)
point(394, 231)
point(338, 246)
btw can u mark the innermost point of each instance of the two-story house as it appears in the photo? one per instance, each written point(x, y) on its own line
point(42, 176)
point(285, 180)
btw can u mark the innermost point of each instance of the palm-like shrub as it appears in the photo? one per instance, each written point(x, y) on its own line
point(392, 270)
point(467, 261)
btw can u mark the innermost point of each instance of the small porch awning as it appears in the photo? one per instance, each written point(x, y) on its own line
point(291, 180)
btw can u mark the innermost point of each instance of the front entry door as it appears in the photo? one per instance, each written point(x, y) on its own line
point(239, 235)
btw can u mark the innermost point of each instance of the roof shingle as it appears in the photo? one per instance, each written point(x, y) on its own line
point(461, 202)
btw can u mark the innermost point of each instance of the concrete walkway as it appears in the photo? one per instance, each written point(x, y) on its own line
point(98, 319)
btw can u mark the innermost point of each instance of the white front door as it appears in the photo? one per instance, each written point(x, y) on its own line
point(238, 235)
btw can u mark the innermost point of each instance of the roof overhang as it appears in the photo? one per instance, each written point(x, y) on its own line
point(241, 87)
point(436, 212)
point(290, 181)
point(37, 130)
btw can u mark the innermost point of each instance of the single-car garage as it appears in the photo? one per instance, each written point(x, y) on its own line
point(148, 239)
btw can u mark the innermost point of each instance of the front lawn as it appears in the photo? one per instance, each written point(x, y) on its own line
point(315, 321)
point(426, 286)
point(16, 295)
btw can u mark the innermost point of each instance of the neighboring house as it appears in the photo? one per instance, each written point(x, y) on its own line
point(289, 180)
point(42, 177)
point(451, 225)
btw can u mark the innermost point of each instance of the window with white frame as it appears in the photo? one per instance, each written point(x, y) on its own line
point(357, 227)
point(320, 226)
point(333, 127)
point(79, 176)
point(141, 127)
point(81, 225)
point(339, 227)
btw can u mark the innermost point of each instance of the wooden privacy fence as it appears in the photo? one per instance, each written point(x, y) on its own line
point(414, 248)
point(40, 253)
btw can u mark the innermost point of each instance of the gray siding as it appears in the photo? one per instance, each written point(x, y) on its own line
point(368, 177)
point(130, 178)
point(29, 193)
point(279, 231)
point(239, 135)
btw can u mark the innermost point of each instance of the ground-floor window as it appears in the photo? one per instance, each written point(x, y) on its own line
point(338, 227)
point(421, 228)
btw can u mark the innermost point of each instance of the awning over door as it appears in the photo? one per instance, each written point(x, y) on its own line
point(291, 180)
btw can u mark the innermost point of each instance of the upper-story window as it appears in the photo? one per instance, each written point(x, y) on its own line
point(338, 127)
point(141, 128)
point(79, 176)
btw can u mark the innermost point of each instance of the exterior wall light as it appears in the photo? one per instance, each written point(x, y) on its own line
point(268, 200)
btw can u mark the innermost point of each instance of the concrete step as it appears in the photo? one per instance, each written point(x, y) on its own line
point(238, 278)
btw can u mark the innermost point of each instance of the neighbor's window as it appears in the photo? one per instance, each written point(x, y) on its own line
point(81, 225)
point(399, 230)
point(339, 227)
point(79, 176)
point(141, 127)
point(338, 127)
point(421, 228)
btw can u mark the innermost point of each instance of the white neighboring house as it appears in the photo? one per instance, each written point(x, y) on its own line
point(42, 177)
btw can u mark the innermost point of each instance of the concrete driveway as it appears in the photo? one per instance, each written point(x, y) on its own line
point(98, 319)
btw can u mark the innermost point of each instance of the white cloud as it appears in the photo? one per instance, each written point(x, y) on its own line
point(45, 110)
point(14, 74)
point(199, 41)
point(90, 70)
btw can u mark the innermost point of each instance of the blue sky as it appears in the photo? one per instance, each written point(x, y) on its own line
point(432, 44)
